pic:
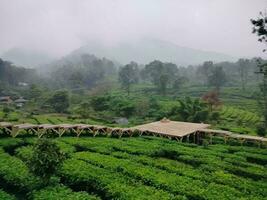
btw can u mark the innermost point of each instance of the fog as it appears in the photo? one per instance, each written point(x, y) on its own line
point(58, 27)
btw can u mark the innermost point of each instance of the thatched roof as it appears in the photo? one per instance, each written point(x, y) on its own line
point(172, 128)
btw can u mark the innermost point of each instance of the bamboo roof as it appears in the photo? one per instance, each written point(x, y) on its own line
point(171, 128)
point(26, 126)
point(48, 126)
point(235, 135)
point(5, 124)
point(84, 126)
point(68, 126)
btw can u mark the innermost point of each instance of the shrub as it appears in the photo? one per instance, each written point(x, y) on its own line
point(46, 159)
point(261, 130)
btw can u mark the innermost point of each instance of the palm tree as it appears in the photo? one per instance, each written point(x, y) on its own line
point(192, 110)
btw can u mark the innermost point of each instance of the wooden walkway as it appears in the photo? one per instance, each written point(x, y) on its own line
point(240, 137)
point(181, 131)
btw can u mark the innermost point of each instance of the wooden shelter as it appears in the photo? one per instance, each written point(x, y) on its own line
point(172, 129)
point(6, 127)
point(181, 131)
point(29, 128)
point(240, 137)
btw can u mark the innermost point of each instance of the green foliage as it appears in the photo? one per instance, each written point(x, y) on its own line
point(60, 101)
point(100, 103)
point(84, 109)
point(61, 193)
point(128, 75)
point(205, 71)
point(6, 111)
point(217, 77)
point(12, 75)
point(161, 74)
point(34, 92)
point(14, 172)
point(46, 159)
point(187, 166)
point(191, 110)
point(91, 70)
point(105, 168)
point(6, 196)
point(260, 27)
point(261, 129)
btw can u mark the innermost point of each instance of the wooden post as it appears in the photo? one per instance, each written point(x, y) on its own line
point(15, 131)
point(242, 140)
point(187, 138)
point(225, 139)
point(194, 137)
point(211, 135)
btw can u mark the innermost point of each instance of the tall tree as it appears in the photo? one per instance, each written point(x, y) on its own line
point(212, 99)
point(243, 65)
point(128, 75)
point(205, 70)
point(260, 28)
point(217, 78)
point(60, 101)
point(161, 74)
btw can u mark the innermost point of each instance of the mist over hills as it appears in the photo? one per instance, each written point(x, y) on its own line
point(26, 57)
point(146, 50)
point(142, 51)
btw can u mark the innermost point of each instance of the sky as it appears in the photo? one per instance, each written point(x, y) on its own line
point(58, 27)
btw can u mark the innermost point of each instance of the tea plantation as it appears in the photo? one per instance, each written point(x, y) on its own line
point(137, 168)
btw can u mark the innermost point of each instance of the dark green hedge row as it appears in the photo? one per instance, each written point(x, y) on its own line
point(61, 193)
point(107, 184)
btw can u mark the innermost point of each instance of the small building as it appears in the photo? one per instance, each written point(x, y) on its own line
point(5, 100)
point(23, 84)
point(122, 121)
point(20, 102)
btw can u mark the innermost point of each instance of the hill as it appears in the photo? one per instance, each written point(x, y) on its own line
point(146, 50)
point(12, 75)
point(27, 58)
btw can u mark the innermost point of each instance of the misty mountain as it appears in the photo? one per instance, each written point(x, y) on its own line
point(147, 50)
point(12, 75)
point(26, 57)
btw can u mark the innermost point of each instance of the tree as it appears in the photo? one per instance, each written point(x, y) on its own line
point(161, 74)
point(260, 28)
point(128, 75)
point(179, 82)
point(217, 78)
point(205, 70)
point(191, 110)
point(34, 92)
point(84, 109)
point(212, 99)
point(60, 101)
point(46, 160)
point(6, 111)
point(243, 71)
point(100, 103)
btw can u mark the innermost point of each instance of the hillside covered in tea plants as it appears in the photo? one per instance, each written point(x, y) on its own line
point(136, 168)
